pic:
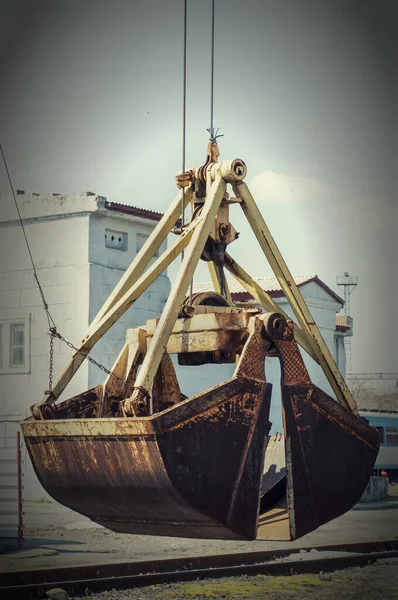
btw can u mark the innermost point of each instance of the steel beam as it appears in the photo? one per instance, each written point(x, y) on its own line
point(294, 297)
point(260, 296)
point(176, 297)
point(114, 313)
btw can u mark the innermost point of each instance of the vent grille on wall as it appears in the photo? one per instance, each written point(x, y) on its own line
point(116, 239)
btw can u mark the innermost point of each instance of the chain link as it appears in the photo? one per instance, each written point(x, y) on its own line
point(54, 333)
point(51, 363)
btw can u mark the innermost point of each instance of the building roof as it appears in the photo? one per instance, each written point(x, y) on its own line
point(342, 327)
point(270, 285)
point(384, 414)
point(44, 205)
point(133, 210)
point(343, 323)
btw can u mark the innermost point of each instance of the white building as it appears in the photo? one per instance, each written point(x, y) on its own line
point(81, 245)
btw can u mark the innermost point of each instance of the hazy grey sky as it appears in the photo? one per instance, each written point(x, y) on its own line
point(305, 94)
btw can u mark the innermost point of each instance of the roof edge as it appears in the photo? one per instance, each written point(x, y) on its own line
point(133, 210)
point(280, 294)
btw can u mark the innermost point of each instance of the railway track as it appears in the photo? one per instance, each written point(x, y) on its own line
point(77, 580)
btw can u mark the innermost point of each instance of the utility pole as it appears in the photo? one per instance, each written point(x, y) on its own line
point(348, 283)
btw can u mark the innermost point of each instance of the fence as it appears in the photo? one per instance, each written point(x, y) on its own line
point(11, 472)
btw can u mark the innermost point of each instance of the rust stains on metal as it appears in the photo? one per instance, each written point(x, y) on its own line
point(204, 466)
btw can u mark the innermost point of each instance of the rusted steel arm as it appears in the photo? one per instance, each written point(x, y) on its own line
point(294, 297)
point(137, 402)
point(265, 300)
point(215, 274)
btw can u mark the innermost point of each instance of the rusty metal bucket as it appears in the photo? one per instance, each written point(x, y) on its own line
point(192, 471)
point(205, 467)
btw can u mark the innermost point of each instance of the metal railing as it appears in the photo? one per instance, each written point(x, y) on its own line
point(11, 463)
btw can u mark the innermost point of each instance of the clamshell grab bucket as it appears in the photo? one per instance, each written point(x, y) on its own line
point(138, 456)
point(205, 466)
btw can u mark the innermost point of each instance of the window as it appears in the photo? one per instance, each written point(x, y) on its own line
point(17, 345)
point(391, 435)
point(141, 239)
point(116, 239)
point(14, 348)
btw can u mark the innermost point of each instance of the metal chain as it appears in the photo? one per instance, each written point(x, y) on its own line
point(51, 363)
point(55, 333)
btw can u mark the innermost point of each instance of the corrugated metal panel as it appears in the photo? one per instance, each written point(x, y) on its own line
point(134, 210)
point(268, 284)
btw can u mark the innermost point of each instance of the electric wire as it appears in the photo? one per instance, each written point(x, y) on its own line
point(184, 113)
point(35, 275)
point(51, 323)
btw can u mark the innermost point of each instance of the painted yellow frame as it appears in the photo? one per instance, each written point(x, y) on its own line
point(192, 241)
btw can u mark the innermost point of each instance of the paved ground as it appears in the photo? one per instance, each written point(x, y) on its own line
point(57, 537)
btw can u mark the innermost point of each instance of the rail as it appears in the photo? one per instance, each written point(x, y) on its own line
point(80, 581)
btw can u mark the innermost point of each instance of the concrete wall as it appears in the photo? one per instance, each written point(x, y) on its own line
point(107, 266)
point(60, 250)
point(376, 490)
point(77, 272)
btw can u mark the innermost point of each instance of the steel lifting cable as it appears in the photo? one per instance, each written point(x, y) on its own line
point(51, 323)
point(184, 127)
point(213, 134)
point(184, 113)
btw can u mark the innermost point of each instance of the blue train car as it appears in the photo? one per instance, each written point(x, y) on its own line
point(387, 459)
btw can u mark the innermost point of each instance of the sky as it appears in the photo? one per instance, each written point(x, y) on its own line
point(305, 94)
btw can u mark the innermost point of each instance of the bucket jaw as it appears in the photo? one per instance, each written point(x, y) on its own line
point(205, 466)
point(319, 469)
point(191, 469)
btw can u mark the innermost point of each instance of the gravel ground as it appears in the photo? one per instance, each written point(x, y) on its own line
point(393, 489)
point(376, 582)
point(57, 537)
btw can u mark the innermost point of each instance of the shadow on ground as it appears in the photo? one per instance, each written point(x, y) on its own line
point(8, 546)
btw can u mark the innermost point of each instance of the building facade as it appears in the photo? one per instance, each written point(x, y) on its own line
point(81, 245)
